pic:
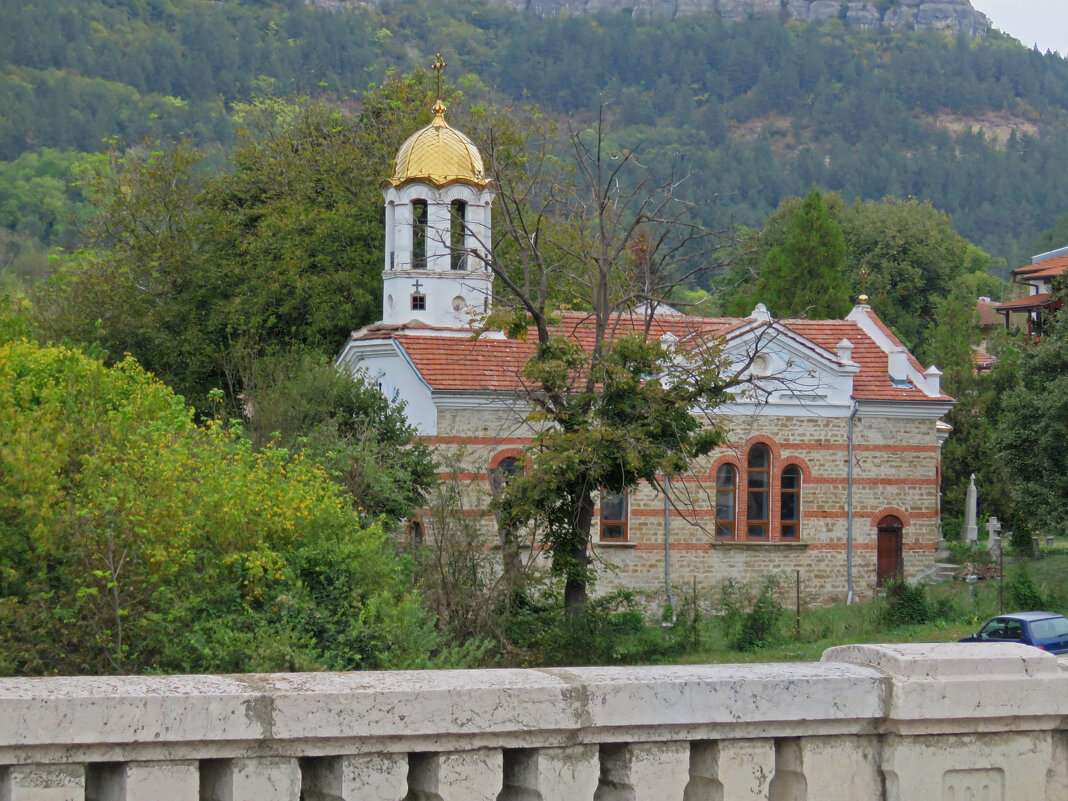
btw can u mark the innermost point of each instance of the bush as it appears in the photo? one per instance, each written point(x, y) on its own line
point(961, 554)
point(612, 631)
point(951, 530)
point(905, 604)
point(1022, 540)
point(750, 617)
point(1025, 596)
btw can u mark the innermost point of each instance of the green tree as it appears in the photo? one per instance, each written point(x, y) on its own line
point(1033, 428)
point(300, 401)
point(907, 259)
point(132, 539)
point(806, 275)
point(616, 408)
point(972, 446)
point(190, 273)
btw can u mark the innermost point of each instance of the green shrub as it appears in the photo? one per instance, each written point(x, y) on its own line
point(905, 604)
point(951, 530)
point(960, 554)
point(611, 631)
point(1022, 540)
point(750, 617)
point(1024, 594)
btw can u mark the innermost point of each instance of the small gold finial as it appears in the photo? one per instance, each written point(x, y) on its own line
point(439, 66)
point(863, 300)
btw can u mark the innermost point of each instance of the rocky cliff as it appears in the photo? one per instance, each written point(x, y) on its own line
point(943, 15)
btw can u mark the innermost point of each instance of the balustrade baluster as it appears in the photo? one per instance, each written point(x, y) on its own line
point(363, 777)
point(476, 775)
point(643, 772)
point(550, 774)
point(264, 779)
point(42, 783)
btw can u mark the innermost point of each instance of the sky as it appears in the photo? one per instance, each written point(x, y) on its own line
point(1041, 22)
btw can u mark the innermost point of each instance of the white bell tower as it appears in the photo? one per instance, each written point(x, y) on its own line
point(438, 206)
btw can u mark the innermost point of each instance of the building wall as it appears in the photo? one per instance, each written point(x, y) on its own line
point(895, 473)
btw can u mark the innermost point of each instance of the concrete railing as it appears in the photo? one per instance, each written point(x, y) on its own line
point(887, 722)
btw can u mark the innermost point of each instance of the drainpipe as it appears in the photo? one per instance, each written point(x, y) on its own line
point(667, 544)
point(850, 596)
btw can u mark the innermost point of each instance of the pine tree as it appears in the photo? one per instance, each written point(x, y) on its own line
point(806, 275)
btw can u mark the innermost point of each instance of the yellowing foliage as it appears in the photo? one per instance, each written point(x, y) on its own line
point(133, 539)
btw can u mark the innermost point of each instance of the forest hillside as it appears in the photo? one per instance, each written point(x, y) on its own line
point(756, 110)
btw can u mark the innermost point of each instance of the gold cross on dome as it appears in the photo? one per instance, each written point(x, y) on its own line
point(439, 66)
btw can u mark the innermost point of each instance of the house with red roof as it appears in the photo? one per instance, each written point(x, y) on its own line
point(1031, 312)
point(831, 466)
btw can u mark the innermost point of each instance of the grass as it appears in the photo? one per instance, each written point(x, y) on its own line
point(960, 611)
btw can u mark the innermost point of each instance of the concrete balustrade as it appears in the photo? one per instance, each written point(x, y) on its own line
point(869, 723)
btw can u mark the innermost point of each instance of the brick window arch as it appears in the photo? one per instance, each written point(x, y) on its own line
point(416, 535)
point(726, 501)
point(758, 492)
point(790, 503)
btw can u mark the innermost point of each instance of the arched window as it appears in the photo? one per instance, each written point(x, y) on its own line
point(458, 234)
point(509, 466)
point(419, 223)
point(726, 501)
point(758, 502)
point(415, 533)
point(790, 503)
point(613, 516)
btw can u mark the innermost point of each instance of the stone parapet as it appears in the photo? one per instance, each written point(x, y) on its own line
point(869, 722)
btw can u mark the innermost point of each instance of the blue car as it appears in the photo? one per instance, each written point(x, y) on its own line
point(1043, 630)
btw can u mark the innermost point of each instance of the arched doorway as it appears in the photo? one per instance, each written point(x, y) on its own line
point(890, 562)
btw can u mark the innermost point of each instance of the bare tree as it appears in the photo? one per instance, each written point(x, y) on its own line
point(610, 393)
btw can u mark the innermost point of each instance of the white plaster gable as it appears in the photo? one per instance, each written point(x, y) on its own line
point(384, 362)
point(784, 372)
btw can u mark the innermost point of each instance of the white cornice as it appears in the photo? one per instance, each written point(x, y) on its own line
point(910, 409)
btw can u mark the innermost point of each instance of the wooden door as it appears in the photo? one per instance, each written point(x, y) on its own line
point(889, 559)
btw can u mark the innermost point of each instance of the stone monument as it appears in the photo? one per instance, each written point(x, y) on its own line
point(970, 532)
point(993, 528)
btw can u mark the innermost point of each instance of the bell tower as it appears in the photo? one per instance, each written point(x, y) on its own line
point(438, 205)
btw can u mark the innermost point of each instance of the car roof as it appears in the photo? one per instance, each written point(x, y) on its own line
point(1028, 616)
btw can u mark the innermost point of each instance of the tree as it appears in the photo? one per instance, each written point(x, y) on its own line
point(907, 258)
point(132, 539)
point(971, 447)
point(806, 276)
point(300, 401)
point(1034, 427)
point(616, 409)
point(902, 254)
point(190, 272)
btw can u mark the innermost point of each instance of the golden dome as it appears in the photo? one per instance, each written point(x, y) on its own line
point(438, 154)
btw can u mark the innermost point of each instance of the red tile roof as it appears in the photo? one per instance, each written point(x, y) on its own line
point(1039, 301)
point(449, 361)
point(1044, 269)
point(985, 308)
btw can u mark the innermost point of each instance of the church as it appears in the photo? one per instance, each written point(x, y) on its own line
point(829, 473)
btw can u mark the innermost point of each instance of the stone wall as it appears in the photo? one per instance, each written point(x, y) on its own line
point(937, 722)
point(895, 472)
